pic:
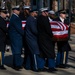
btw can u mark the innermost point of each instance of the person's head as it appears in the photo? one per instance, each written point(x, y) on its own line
point(44, 11)
point(34, 13)
point(26, 9)
point(16, 10)
point(3, 13)
point(62, 14)
point(51, 14)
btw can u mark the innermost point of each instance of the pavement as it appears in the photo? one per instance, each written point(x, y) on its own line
point(68, 71)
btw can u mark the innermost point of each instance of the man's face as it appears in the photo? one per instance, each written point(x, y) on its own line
point(63, 15)
point(3, 14)
point(52, 15)
point(45, 13)
point(17, 12)
point(27, 11)
point(36, 14)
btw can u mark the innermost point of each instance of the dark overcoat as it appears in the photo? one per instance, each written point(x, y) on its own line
point(31, 35)
point(15, 34)
point(63, 45)
point(3, 31)
point(45, 37)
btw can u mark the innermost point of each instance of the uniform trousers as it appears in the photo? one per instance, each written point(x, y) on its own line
point(63, 51)
point(38, 62)
point(62, 58)
point(34, 62)
point(1, 58)
point(17, 60)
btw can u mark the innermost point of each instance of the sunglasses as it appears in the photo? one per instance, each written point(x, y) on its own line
point(5, 12)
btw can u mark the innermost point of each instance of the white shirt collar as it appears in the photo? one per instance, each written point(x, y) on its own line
point(61, 19)
point(15, 14)
point(49, 19)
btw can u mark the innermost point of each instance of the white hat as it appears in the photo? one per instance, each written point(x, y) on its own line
point(44, 9)
point(26, 7)
point(51, 12)
point(16, 7)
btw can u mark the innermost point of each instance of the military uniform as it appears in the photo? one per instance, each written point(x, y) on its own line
point(3, 31)
point(63, 46)
point(16, 33)
point(27, 54)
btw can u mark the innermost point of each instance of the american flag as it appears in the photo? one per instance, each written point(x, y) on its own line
point(23, 24)
point(59, 29)
point(7, 24)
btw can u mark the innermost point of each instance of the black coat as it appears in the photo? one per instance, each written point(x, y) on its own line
point(45, 37)
point(63, 45)
point(3, 31)
point(31, 35)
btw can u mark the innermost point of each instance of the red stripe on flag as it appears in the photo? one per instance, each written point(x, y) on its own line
point(61, 36)
point(23, 24)
point(54, 29)
point(58, 27)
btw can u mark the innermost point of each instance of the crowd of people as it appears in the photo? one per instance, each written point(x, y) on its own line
point(31, 29)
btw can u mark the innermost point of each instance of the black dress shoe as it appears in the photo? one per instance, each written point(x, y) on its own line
point(41, 70)
point(17, 68)
point(2, 67)
point(61, 66)
point(52, 70)
point(27, 68)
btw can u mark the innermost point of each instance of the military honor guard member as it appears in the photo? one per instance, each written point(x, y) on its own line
point(62, 45)
point(32, 41)
point(24, 15)
point(3, 31)
point(16, 33)
point(45, 37)
point(51, 15)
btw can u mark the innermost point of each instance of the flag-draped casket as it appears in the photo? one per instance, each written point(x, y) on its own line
point(59, 30)
point(23, 24)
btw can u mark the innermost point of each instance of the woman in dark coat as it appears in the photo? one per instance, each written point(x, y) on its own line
point(3, 30)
